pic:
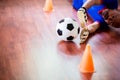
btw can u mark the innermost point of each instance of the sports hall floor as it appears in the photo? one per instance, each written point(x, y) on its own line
point(30, 49)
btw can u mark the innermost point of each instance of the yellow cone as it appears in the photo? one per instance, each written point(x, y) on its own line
point(87, 65)
point(48, 6)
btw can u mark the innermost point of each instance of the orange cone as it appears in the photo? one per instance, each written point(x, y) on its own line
point(87, 65)
point(48, 6)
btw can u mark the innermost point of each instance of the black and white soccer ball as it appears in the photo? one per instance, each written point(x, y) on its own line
point(67, 29)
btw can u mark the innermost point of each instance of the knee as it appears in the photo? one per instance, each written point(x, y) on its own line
point(95, 2)
point(92, 1)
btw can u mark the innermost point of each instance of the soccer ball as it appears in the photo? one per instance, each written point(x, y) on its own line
point(67, 29)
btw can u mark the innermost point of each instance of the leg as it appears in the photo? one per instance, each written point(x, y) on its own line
point(90, 3)
point(93, 27)
point(83, 19)
point(82, 11)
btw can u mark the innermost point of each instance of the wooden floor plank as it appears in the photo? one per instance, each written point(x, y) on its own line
point(30, 49)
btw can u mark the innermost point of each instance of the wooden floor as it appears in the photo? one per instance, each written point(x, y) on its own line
point(30, 49)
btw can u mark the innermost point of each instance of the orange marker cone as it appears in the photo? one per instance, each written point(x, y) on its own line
point(48, 6)
point(87, 65)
